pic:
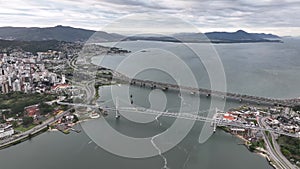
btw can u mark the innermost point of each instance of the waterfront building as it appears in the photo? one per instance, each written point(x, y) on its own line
point(6, 132)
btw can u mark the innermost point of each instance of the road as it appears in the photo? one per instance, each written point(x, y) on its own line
point(32, 131)
point(90, 91)
point(274, 151)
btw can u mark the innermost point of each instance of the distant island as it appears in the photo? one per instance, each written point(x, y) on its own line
point(70, 34)
point(239, 36)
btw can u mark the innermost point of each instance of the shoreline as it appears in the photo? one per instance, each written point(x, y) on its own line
point(26, 137)
point(23, 138)
point(261, 152)
point(30, 136)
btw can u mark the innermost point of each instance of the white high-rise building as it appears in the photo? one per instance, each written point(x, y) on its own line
point(63, 79)
point(27, 87)
point(53, 78)
point(5, 88)
point(9, 81)
point(16, 85)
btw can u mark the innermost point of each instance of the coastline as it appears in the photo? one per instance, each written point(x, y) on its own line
point(14, 140)
point(23, 138)
point(261, 152)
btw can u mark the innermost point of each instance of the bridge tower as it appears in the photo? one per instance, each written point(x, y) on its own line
point(117, 109)
point(214, 123)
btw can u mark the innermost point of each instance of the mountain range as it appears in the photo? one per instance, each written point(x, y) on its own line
point(70, 34)
point(60, 33)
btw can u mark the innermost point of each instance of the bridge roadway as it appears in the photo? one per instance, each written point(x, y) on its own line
point(192, 116)
point(241, 97)
point(183, 115)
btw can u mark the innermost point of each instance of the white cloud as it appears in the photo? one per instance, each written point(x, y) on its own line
point(279, 16)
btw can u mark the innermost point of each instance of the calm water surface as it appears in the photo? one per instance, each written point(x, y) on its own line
point(264, 69)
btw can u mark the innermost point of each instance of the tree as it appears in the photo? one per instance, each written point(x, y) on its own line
point(15, 124)
point(252, 147)
point(27, 121)
point(18, 108)
point(296, 108)
point(76, 119)
point(286, 152)
point(45, 108)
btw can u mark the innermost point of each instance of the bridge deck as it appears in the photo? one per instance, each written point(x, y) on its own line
point(240, 97)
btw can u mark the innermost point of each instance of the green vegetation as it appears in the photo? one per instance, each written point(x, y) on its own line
point(290, 147)
point(104, 74)
point(27, 120)
point(31, 46)
point(269, 138)
point(67, 131)
point(226, 129)
point(62, 33)
point(23, 129)
point(76, 119)
point(45, 108)
point(286, 152)
point(296, 108)
point(97, 92)
point(254, 121)
point(99, 84)
point(16, 101)
point(254, 145)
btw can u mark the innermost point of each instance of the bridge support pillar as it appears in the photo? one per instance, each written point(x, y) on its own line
point(215, 126)
point(117, 109)
point(117, 114)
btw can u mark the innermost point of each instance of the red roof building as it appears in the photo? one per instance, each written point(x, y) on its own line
point(229, 117)
point(32, 111)
point(60, 86)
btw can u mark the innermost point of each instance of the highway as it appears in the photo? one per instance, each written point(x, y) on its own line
point(274, 151)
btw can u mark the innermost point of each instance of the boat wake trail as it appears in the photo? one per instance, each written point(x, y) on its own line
point(159, 153)
point(188, 153)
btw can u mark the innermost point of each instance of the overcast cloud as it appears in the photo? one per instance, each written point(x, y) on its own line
point(275, 16)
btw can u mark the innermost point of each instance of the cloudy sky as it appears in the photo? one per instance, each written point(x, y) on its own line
point(281, 17)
